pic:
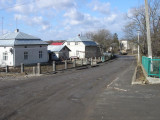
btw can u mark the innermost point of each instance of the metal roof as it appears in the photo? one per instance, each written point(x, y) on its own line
point(56, 48)
point(79, 39)
point(20, 38)
point(89, 43)
point(17, 35)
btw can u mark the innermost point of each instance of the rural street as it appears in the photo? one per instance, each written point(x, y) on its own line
point(98, 93)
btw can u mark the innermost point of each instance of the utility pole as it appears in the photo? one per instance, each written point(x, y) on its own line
point(148, 30)
point(138, 49)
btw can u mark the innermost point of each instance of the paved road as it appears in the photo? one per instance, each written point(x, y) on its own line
point(100, 93)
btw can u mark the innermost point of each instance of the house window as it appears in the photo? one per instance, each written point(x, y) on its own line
point(26, 55)
point(76, 43)
point(40, 54)
point(68, 43)
point(5, 56)
point(77, 52)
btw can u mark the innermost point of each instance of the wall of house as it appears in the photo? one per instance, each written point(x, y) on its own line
point(125, 44)
point(76, 50)
point(9, 61)
point(33, 54)
point(91, 51)
point(64, 53)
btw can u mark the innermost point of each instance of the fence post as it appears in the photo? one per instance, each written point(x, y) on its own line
point(81, 62)
point(149, 66)
point(66, 64)
point(34, 70)
point(54, 66)
point(22, 68)
point(159, 70)
point(95, 61)
point(38, 68)
point(74, 63)
point(91, 61)
point(86, 61)
point(7, 69)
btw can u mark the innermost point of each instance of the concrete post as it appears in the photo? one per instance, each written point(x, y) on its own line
point(54, 66)
point(22, 68)
point(86, 61)
point(38, 68)
point(66, 64)
point(95, 61)
point(81, 62)
point(91, 61)
point(148, 30)
point(34, 70)
point(74, 63)
point(7, 69)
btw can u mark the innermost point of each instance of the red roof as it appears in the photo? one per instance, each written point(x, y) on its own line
point(57, 43)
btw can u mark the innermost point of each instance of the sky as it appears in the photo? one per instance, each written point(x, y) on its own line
point(64, 19)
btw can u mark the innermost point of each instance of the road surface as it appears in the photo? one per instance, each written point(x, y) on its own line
point(99, 93)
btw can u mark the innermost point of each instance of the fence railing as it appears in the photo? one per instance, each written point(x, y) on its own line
point(151, 66)
point(52, 66)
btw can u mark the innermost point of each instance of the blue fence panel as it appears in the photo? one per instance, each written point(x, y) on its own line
point(151, 66)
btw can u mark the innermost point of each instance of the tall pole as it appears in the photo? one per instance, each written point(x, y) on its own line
point(138, 49)
point(16, 23)
point(148, 30)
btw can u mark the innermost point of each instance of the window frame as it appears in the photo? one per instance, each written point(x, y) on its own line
point(76, 43)
point(40, 54)
point(68, 43)
point(25, 55)
point(5, 56)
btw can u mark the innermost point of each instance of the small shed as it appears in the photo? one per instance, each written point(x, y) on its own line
point(58, 52)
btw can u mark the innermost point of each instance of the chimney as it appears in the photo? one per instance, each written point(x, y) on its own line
point(17, 30)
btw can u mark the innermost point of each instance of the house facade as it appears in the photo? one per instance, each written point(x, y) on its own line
point(124, 44)
point(58, 52)
point(18, 47)
point(82, 47)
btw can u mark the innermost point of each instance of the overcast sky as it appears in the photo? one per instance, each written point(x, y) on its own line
point(63, 19)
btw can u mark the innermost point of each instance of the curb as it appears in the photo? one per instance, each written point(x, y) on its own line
point(151, 80)
point(134, 82)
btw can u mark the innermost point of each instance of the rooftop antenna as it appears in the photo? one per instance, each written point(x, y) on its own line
point(2, 25)
point(16, 23)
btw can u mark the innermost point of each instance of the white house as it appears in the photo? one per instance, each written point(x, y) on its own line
point(124, 44)
point(18, 47)
point(127, 44)
point(57, 52)
point(82, 47)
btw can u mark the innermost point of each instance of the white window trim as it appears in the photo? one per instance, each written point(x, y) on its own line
point(25, 55)
point(5, 56)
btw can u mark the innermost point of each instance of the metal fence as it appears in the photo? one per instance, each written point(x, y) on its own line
point(151, 66)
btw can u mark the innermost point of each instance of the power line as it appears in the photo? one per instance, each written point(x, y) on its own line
point(16, 5)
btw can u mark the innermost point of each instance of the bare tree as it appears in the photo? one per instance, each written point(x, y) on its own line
point(103, 37)
point(137, 22)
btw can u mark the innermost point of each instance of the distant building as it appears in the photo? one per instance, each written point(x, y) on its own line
point(58, 52)
point(124, 44)
point(82, 47)
point(18, 47)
